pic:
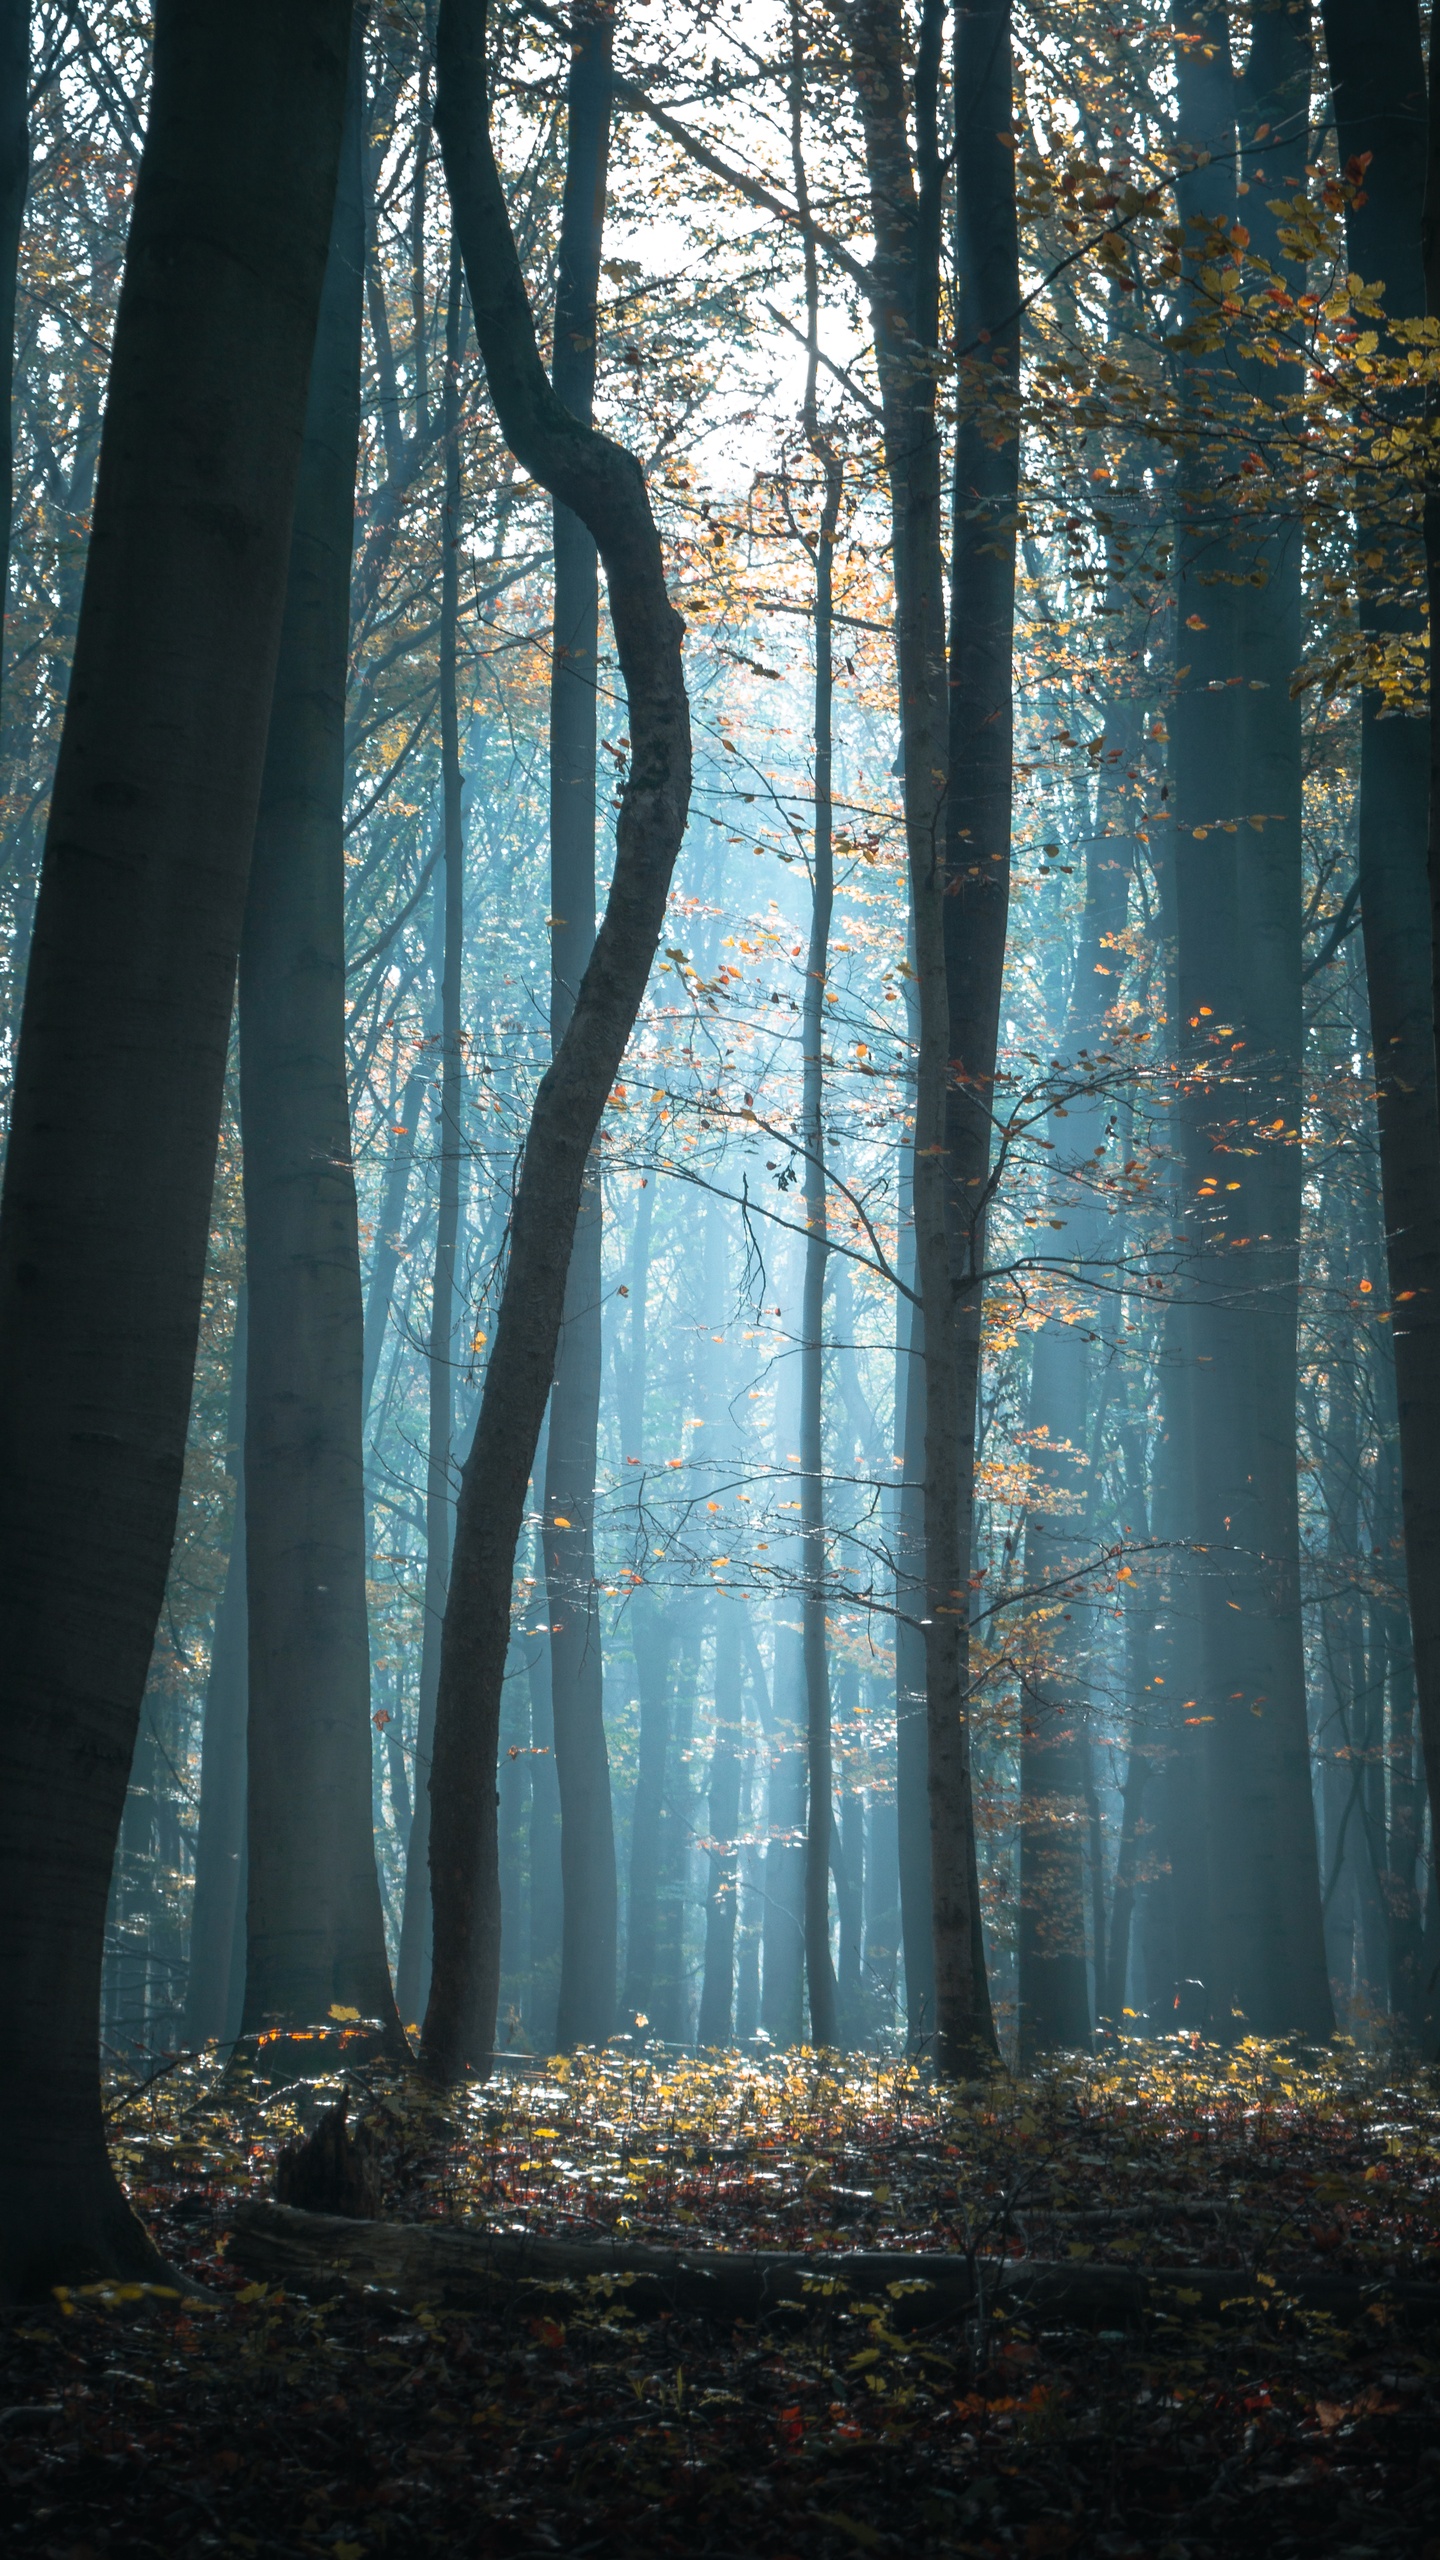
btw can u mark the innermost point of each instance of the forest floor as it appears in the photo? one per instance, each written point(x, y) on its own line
point(257, 2422)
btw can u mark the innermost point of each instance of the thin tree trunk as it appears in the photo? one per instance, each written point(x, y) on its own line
point(105, 1213)
point(587, 1832)
point(217, 1908)
point(385, 1265)
point(653, 1635)
point(603, 486)
point(985, 507)
point(819, 1971)
point(14, 187)
point(413, 1969)
point(315, 1925)
point(717, 1987)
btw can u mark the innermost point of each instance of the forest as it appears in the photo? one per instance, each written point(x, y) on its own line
point(719, 907)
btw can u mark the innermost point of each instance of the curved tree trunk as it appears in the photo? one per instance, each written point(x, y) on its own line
point(603, 486)
point(105, 1214)
point(315, 1933)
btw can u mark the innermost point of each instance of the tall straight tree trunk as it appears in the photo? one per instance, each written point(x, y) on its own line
point(1239, 978)
point(413, 1969)
point(604, 486)
point(315, 1904)
point(717, 1986)
point(315, 1927)
point(14, 187)
point(1377, 71)
point(1054, 1990)
point(385, 1267)
point(912, 1812)
point(105, 1212)
point(220, 1862)
point(985, 501)
point(906, 212)
point(587, 1833)
point(654, 1639)
point(819, 1970)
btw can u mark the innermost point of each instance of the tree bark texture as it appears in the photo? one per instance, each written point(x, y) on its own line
point(717, 1987)
point(906, 212)
point(459, 2267)
point(105, 1212)
point(217, 1910)
point(587, 1835)
point(315, 1927)
point(604, 486)
point(1377, 71)
point(1055, 1706)
point(984, 512)
point(413, 1968)
point(819, 1970)
point(1237, 889)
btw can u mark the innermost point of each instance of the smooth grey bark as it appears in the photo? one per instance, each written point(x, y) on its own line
point(1237, 894)
point(653, 1635)
point(605, 487)
point(413, 1967)
point(906, 208)
point(217, 1910)
point(1377, 73)
point(819, 1969)
point(670, 2009)
point(389, 1239)
point(717, 1985)
point(104, 1218)
point(985, 493)
point(1054, 1995)
point(315, 1924)
point(588, 1957)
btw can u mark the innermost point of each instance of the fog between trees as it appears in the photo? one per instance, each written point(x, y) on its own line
point(719, 1249)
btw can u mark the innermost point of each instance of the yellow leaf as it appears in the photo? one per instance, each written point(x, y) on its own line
point(349, 2016)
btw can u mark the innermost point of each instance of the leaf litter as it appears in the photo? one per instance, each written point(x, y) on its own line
point(256, 2421)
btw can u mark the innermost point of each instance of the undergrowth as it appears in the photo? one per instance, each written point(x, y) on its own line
point(253, 2422)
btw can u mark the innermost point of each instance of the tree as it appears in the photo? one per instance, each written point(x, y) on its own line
point(586, 2008)
point(602, 485)
point(315, 1933)
point(14, 180)
point(118, 1082)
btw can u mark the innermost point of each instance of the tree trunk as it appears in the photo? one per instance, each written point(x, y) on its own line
point(105, 1214)
point(216, 1916)
point(1054, 1988)
point(413, 1968)
point(819, 1971)
point(906, 216)
point(653, 1635)
point(603, 486)
point(1239, 977)
point(1377, 73)
point(14, 186)
point(717, 1987)
point(315, 1933)
point(985, 507)
point(582, 1767)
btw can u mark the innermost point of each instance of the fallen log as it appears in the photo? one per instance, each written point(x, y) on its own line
point(463, 2267)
